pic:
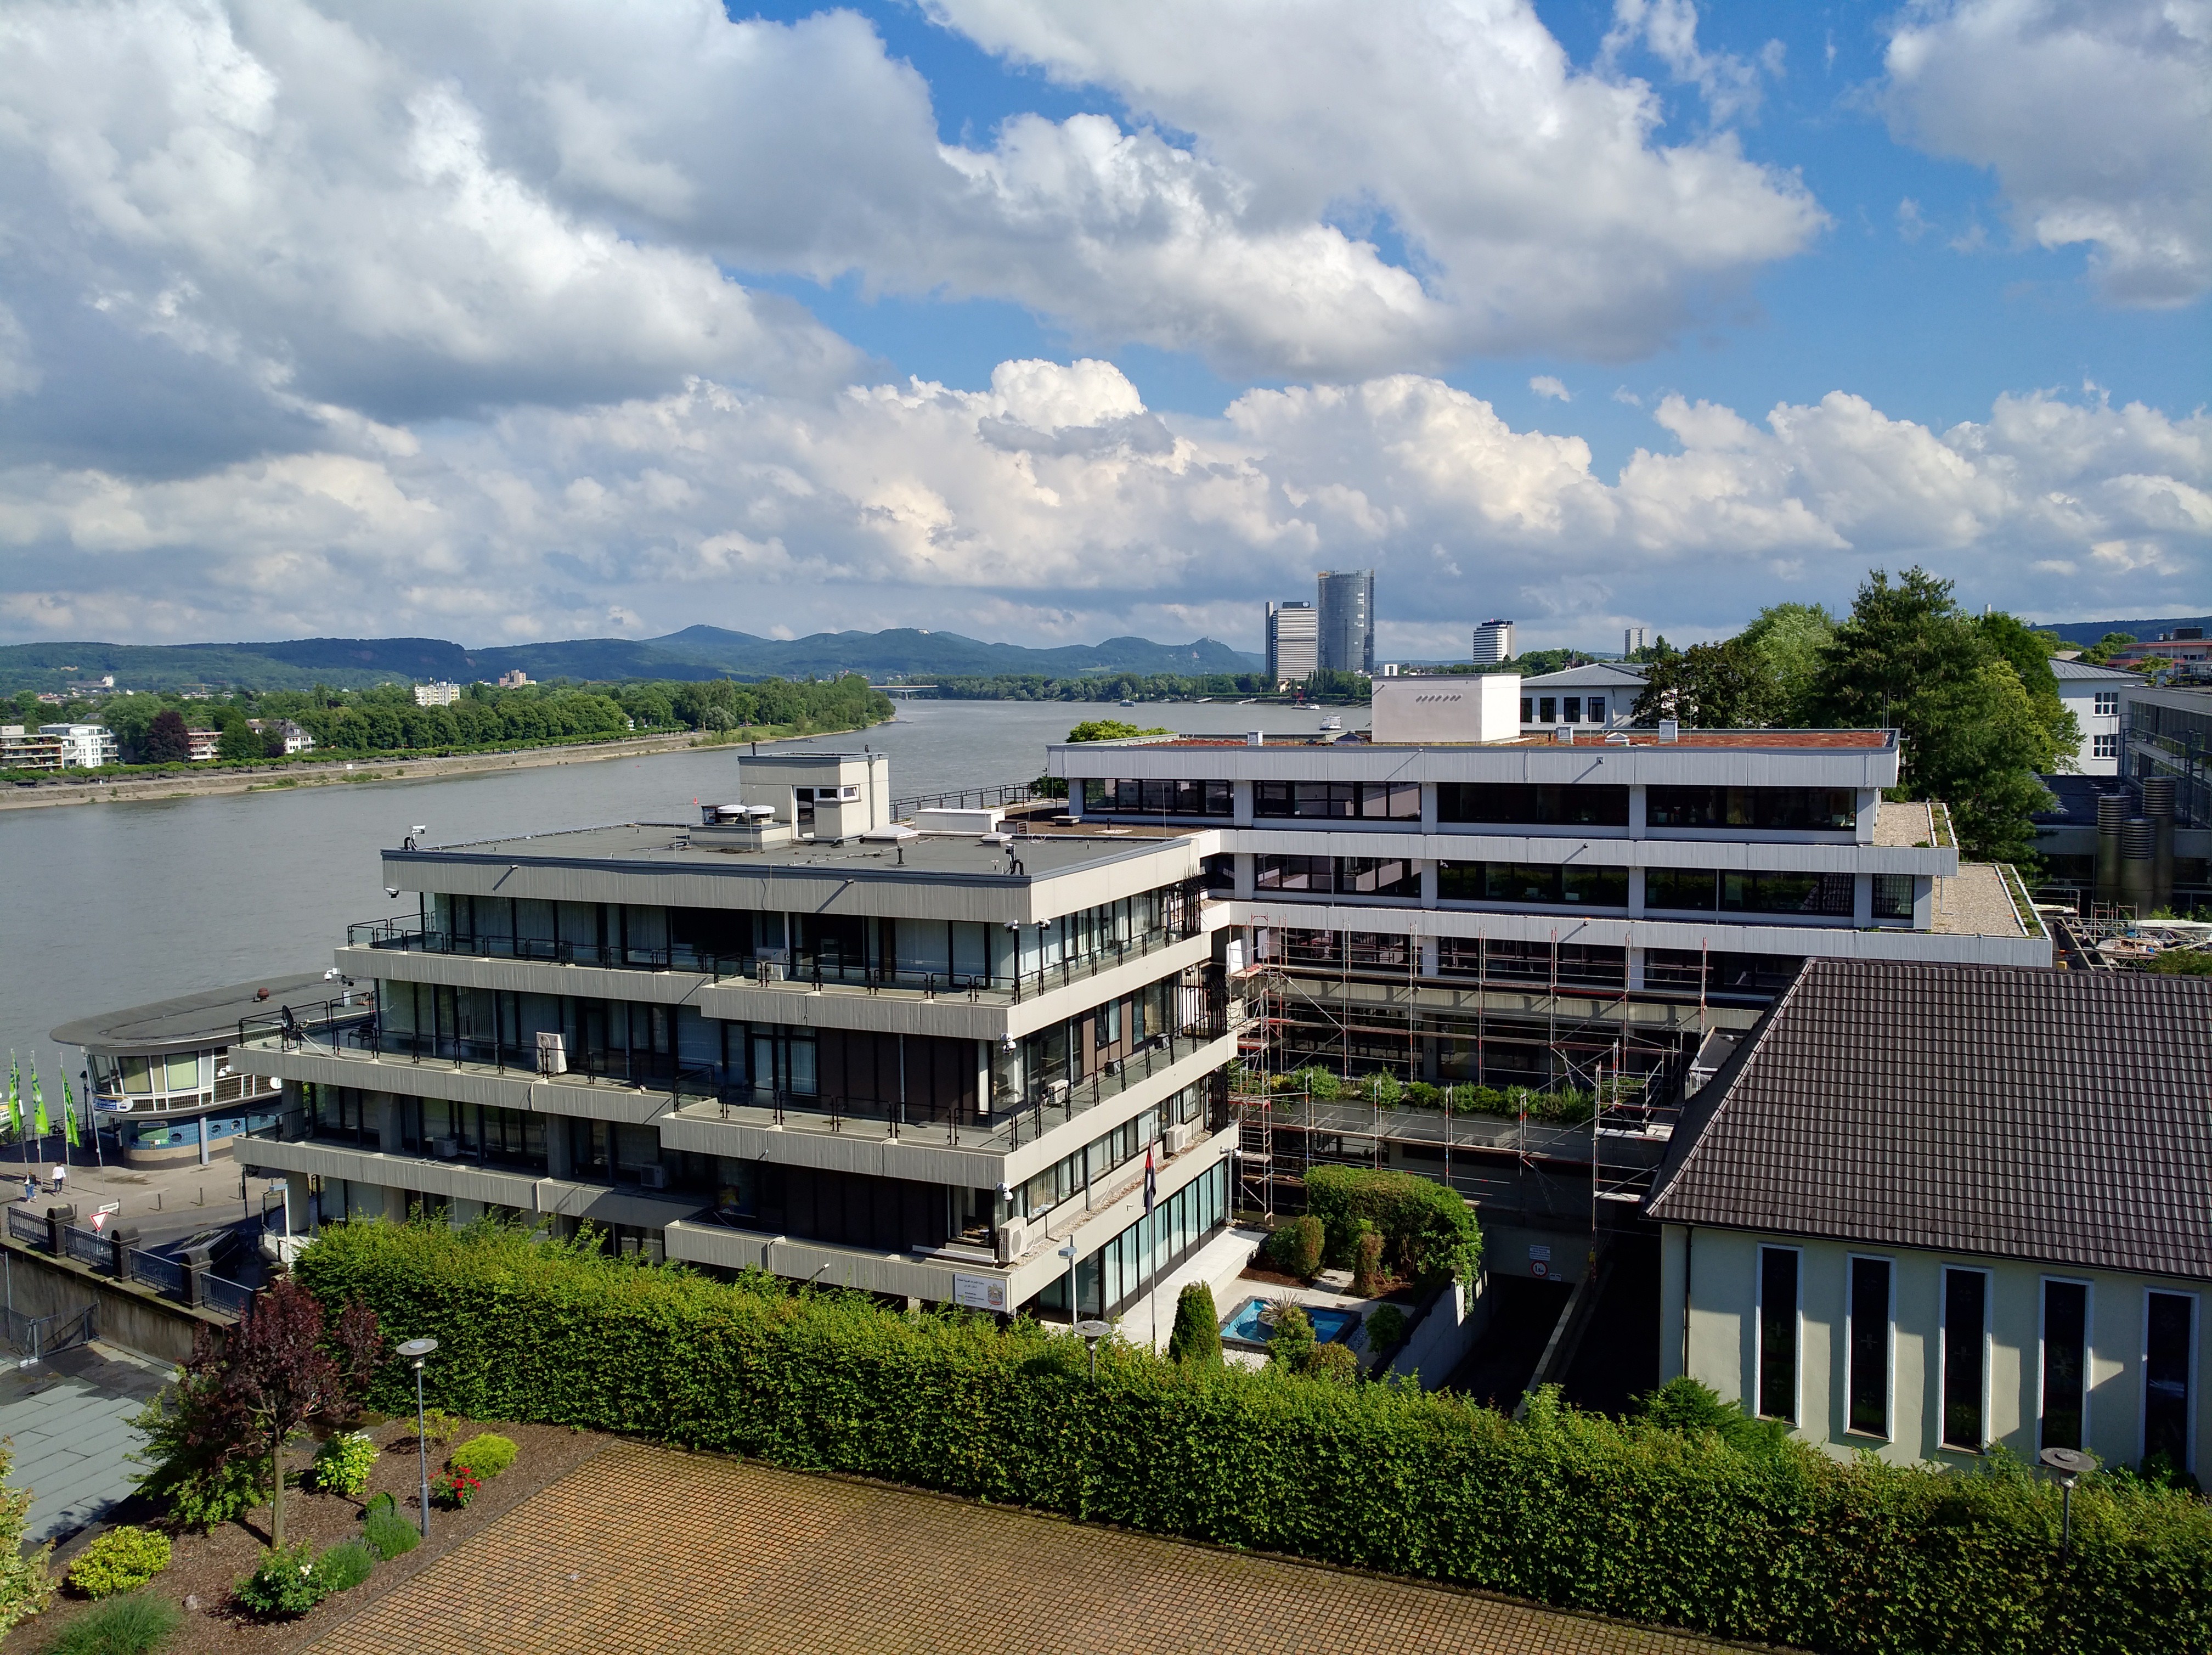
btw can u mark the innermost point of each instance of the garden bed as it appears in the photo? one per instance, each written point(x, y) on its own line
point(204, 1567)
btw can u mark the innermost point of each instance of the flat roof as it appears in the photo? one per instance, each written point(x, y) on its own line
point(1763, 740)
point(204, 1018)
point(663, 845)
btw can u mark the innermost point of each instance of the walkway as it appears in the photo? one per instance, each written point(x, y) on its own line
point(644, 1551)
point(69, 1418)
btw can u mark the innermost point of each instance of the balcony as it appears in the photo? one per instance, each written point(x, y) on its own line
point(808, 974)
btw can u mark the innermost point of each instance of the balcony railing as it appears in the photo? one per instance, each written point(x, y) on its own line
point(1008, 1124)
point(806, 971)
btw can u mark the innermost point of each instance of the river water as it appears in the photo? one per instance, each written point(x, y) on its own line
point(113, 905)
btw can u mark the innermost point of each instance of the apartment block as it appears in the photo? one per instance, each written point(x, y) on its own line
point(791, 1035)
point(1293, 642)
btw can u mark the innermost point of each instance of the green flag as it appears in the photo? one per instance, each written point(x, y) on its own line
point(14, 1095)
point(38, 1103)
point(69, 1116)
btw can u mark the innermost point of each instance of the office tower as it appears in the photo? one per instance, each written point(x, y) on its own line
point(1348, 621)
point(1493, 642)
point(1293, 642)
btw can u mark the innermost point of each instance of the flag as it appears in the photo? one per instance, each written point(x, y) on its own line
point(68, 1115)
point(1152, 1182)
point(14, 1095)
point(38, 1103)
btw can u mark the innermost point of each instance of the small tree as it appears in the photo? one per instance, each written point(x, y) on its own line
point(167, 741)
point(1296, 1247)
point(1197, 1334)
point(245, 1395)
point(1367, 1262)
point(25, 1586)
point(240, 742)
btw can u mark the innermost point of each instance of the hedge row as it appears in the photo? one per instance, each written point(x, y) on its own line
point(1629, 1519)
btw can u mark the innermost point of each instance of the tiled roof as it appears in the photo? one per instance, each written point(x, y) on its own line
point(2063, 1117)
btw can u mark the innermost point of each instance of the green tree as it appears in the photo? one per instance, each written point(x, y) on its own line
point(1971, 731)
point(1197, 1334)
point(1712, 686)
point(2107, 646)
point(1108, 729)
point(239, 743)
point(1788, 639)
point(166, 741)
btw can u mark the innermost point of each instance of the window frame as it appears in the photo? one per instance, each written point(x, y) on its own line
point(1797, 1334)
point(2104, 746)
point(1851, 1261)
point(2190, 1379)
point(2106, 705)
point(2042, 1286)
point(1943, 1359)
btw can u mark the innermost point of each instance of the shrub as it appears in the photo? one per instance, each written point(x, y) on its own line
point(1386, 1326)
point(121, 1560)
point(342, 1465)
point(1615, 1517)
point(25, 1586)
point(1197, 1334)
point(344, 1567)
point(1288, 1325)
point(453, 1489)
point(197, 1489)
point(1296, 1247)
point(1332, 1361)
point(441, 1427)
point(1419, 1094)
point(1367, 1261)
point(284, 1585)
point(1322, 1084)
point(485, 1457)
point(134, 1625)
point(1429, 1232)
point(388, 1534)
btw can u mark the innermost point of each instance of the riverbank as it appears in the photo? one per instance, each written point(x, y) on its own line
point(294, 775)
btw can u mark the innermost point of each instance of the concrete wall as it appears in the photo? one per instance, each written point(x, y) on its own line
point(1715, 1274)
point(1442, 1339)
point(130, 1316)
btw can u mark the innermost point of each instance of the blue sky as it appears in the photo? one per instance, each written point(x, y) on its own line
point(1045, 322)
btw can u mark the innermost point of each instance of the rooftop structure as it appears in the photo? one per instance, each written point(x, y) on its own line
point(1599, 693)
point(2093, 694)
point(1928, 1209)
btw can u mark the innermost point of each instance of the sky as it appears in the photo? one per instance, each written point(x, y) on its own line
point(1048, 322)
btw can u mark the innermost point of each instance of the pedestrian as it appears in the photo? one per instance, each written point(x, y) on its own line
point(30, 1189)
point(61, 1177)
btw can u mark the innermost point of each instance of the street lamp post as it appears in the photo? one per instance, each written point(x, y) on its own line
point(2069, 1464)
point(415, 1350)
point(1092, 1332)
point(1067, 1252)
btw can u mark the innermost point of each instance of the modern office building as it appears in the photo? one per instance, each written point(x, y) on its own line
point(58, 747)
point(1293, 642)
point(162, 1084)
point(1493, 643)
point(1348, 620)
point(2141, 837)
point(2092, 694)
point(1599, 694)
point(931, 1066)
point(1912, 1214)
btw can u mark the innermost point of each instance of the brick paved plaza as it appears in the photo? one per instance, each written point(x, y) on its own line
point(642, 1551)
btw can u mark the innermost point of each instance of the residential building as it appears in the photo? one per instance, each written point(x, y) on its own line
point(1293, 642)
point(1493, 643)
point(916, 1064)
point(440, 694)
point(203, 746)
point(1919, 1212)
point(1348, 620)
point(160, 1077)
point(2140, 838)
point(2092, 694)
point(514, 680)
point(2181, 644)
point(58, 747)
point(295, 739)
point(1597, 693)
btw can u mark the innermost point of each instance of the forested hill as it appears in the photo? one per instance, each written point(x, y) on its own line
point(696, 653)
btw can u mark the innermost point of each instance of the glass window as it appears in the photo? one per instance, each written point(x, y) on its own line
point(1965, 1303)
point(1397, 801)
point(1311, 874)
point(2108, 703)
point(1893, 895)
point(2169, 1333)
point(136, 1077)
point(1693, 889)
point(2104, 746)
point(1545, 714)
point(1390, 802)
point(1777, 809)
point(2065, 1362)
point(1597, 710)
point(1533, 804)
point(1527, 716)
point(1570, 710)
point(1594, 886)
point(1777, 1332)
point(1868, 1348)
point(183, 1073)
point(1156, 796)
point(1375, 876)
point(1785, 893)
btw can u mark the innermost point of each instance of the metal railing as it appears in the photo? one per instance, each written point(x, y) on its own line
point(27, 1226)
point(37, 1336)
point(1010, 792)
point(164, 1275)
point(230, 1297)
point(88, 1247)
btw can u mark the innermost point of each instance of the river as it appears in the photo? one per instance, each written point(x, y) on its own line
point(113, 905)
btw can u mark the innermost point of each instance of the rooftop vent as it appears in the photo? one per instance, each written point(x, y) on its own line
point(1670, 729)
point(1255, 739)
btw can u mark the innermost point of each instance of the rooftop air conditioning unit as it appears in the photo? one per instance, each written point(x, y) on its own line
point(1180, 1136)
point(767, 970)
point(446, 1149)
point(552, 1053)
point(1013, 1238)
point(1670, 729)
point(654, 1178)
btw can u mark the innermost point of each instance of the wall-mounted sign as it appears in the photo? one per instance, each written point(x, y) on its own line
point(979, 1293)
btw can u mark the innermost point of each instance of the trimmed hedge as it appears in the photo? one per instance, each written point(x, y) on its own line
point(1429, 1232)
point(1631, 1519)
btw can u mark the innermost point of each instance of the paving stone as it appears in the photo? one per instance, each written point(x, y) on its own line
point(645, 1551)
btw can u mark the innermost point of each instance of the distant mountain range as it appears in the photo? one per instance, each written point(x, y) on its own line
point(697, 651)
point(2090, 632)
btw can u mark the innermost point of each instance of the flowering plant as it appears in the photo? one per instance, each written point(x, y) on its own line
point(455, 1487)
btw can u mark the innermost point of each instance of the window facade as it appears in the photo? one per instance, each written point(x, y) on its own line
point(1339, 801)
point(1777, 1332)
point(1532, 804)
point(1699, 891)
point(1722, 976)
point(1544, 884)
point(1866, 1384)
point(1343, 876)
point(1800, 810)
point(1134, 1261)
point(2104, 746)
point(2065, 1387)
point(1492, 960)
point(2169, 1336)
point(1152, 797)
point(1966, 1358)
point(1893, 895)
point(2108, 703)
